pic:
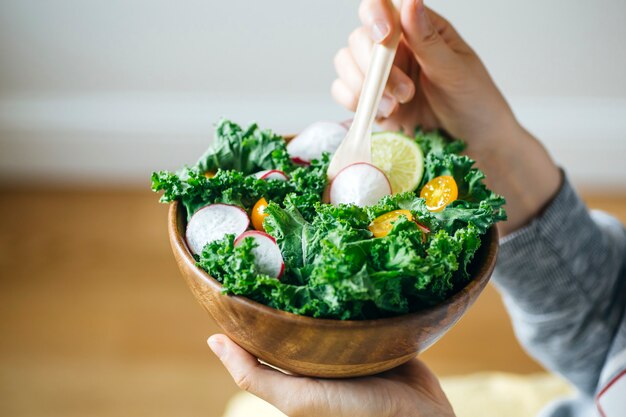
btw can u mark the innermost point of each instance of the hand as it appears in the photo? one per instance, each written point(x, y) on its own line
point(410, 390)
point(438, 82)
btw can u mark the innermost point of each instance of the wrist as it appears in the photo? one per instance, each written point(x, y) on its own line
point(519, 168)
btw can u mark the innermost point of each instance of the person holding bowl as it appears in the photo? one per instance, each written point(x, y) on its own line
point(561, 268)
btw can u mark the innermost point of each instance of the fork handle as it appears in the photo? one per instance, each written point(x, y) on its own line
point(358, 141)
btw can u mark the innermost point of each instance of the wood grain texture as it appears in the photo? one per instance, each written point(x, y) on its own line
point(327, 348)
point(96, 321)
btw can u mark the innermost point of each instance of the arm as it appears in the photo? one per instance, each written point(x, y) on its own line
point(560, 274)
point(563, 283)
point(439, 82)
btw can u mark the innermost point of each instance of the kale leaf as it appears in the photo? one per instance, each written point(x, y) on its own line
point(234, 155)
point(334, 267)
point(246, 150)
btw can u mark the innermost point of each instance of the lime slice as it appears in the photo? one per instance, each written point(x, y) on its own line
point(400, 158)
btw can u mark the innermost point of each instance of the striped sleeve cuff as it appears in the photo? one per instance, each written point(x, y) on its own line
point(538, 264)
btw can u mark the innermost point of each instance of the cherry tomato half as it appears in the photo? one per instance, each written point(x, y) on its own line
point(439, 192)
point(382, 225)
point(258, 214)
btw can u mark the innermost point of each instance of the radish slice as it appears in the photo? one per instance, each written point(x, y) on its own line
point(299, 161)
point(347, 123)
point(316, 139)
point(423, 228)
point(213, 222)
point(361, 184)
point(272, 174)
point(267, 256)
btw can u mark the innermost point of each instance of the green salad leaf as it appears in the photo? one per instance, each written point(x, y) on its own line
point(245, 150)
point(195, 190)
point(232, 186)
point(334, 266)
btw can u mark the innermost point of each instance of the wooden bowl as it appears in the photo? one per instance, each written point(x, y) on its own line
point(323, 347)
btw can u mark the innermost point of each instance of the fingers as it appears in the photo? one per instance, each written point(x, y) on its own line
point(423, 37)
point(349, 71)
point(343, 95)
point(351, 64)
point(399, 85)
point(349, 99)
point(260, 380)
point(377, 17)
point(447, 32)
point(417, 374)
point(347, 89)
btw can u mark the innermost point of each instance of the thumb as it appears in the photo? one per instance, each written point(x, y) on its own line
point(431, 50)
point(269, 384)
point(380, 19)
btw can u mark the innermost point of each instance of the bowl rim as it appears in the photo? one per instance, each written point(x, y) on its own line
point(481, 277)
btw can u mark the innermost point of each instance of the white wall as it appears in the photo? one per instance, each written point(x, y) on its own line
point(113, 89)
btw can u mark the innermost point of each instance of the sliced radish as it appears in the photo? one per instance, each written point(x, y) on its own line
point(267, 256)
point(423, 228)
point(361, 184)
point(213, 222)
point(299, 161)
point(316, 139)
point(272, 174)
point(425, 231)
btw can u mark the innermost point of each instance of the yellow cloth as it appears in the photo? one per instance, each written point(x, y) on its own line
point(477, 395)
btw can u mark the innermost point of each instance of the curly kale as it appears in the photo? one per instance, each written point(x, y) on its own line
point(334, 267)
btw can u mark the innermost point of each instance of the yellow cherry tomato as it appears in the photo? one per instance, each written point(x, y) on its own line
point(209, 174)
point(258, 214)
point(439, 192)
point(382, 225)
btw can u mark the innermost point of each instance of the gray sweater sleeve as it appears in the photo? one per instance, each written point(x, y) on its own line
point(562, 279)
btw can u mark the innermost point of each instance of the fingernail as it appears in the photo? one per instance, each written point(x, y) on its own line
point(386, 106)
point(422, 17)
point(380, 30)
point(216, 345)
point(403, 92)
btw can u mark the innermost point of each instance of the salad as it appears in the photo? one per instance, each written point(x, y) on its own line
point(259, 223)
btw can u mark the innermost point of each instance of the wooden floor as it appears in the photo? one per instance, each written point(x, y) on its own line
point(96, 321)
